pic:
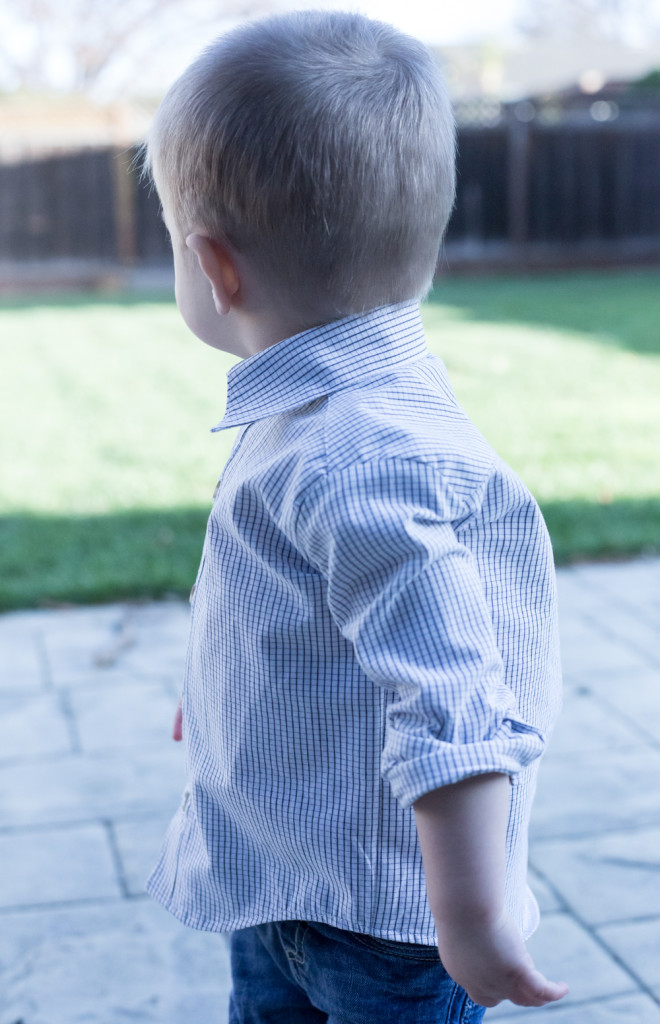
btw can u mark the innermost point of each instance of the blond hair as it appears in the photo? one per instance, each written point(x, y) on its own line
point(322, 146)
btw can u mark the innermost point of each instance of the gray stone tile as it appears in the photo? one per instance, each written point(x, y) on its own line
point(139, 844)
point(563, 951)
point(160, 639)
point(77, 788)
point(21, 667)
point(24, 623)
point(622, 602)
point(33, 726)
point(166, 621)
point(121, 641)
point(133, 714)
point(636, 696)
point(638, 1009)
point(108, 677)
point(638, 945)
point(81, 641)
point(627, 627)
point(586, 725)
point(605, 878)
point(575, 631)
point(158, 663)
point(582, 795)
point(56, 865)
point(586, 653)
point(110, 964)
point(572, 589)
point(636, 583)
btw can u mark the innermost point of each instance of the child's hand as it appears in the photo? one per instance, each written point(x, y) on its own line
point(462, 832)
point(492, 964)
point(177, 729)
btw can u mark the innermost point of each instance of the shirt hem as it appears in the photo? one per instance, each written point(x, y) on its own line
point(205, 924)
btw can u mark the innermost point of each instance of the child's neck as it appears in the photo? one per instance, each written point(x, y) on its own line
point(254, 332)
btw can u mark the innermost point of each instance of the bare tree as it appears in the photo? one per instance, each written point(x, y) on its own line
point(583, 18)
point(75, 44)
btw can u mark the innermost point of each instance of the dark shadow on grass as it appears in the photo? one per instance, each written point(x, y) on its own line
point(135, 554)
point(46, 560)
point(620, 309)
point(591, 531)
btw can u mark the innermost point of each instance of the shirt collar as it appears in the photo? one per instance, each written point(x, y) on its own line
point(320, 361)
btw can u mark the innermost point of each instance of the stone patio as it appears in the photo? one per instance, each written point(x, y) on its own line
point(89, 779)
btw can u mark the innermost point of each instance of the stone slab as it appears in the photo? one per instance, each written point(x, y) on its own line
point(21, 667)
point(110, 964)
point(77, 641)
point(628, 628)
point(637, 943)
point(586, 724)
point(637, 1009)
point(82, 788)
point(572, 589)
point(608, 877)
point(147, 641)
point(635, 583)
point(635, 697)
point(591, 793)
point(162, 620)
point(21, 662)
point(33, 725)
point(55, 865)
point(587, 651)
point(564, 951)
point(622, 602)
point(139, 843)
point(127, 714)
point(161, 639)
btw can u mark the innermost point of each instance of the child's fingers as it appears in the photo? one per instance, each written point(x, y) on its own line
point(528, 989)
point(177, 728)
point(536, 990)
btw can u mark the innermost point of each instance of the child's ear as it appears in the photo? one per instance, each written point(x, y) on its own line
point(219, 267)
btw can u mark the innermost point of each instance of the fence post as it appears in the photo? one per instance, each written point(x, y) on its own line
point(124, 188)
point(518, 175)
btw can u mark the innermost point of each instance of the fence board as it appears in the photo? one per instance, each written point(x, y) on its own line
point(565, 186)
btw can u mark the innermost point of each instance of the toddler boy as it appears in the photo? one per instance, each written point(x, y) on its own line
point(372, 667)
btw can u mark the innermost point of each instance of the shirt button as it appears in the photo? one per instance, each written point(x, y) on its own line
point(192, 592)
point(217, 488)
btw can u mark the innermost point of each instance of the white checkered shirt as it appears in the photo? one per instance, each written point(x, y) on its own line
point(374, 617)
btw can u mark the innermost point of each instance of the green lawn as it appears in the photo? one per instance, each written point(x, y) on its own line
point(108, 465)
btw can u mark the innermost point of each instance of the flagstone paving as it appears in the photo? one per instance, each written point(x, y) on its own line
point(89, 779)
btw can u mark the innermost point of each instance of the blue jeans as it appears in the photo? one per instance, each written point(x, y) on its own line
point(294, 972)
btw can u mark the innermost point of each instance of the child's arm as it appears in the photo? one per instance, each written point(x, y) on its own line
point(462, 833)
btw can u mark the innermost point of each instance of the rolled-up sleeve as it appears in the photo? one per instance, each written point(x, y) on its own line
point(407, 594)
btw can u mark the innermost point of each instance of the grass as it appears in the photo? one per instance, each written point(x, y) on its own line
point(108, 465)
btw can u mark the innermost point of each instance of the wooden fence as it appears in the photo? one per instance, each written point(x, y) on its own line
point(568, 192)
point(565, 189)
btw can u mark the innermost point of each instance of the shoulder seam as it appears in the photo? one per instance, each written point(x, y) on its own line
point(469, 508)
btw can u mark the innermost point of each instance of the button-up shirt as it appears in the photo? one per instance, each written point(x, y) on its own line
point(374, 617)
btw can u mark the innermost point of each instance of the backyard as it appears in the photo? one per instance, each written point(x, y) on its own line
point(108, 465)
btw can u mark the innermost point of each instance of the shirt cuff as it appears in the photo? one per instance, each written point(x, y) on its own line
point(415, 765)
